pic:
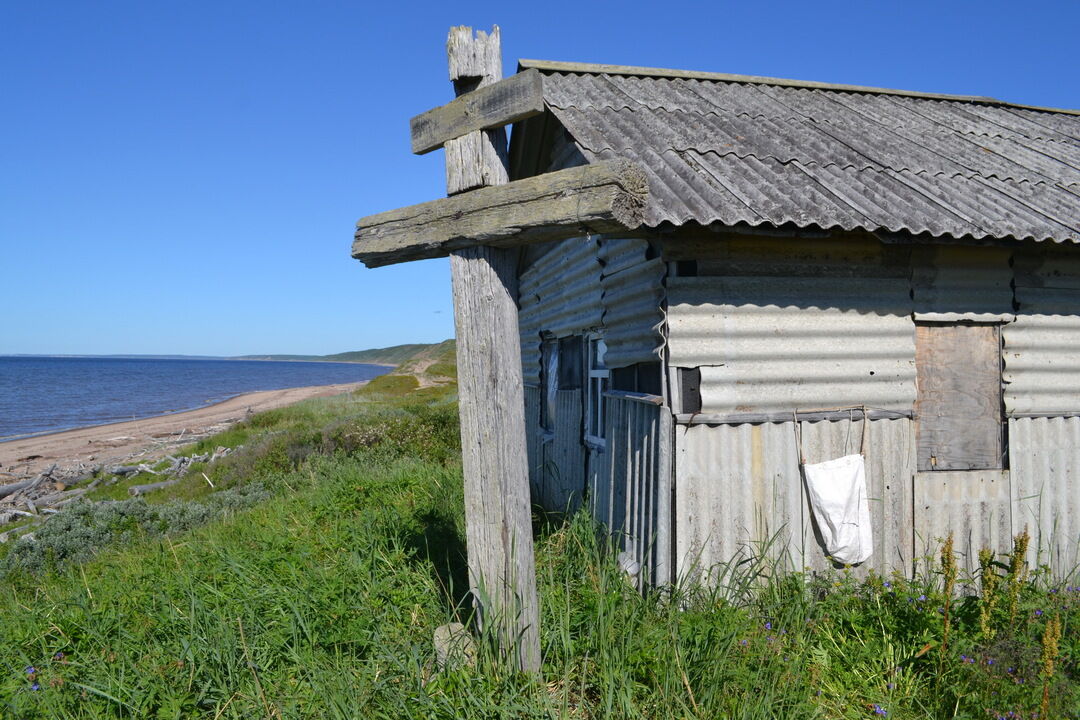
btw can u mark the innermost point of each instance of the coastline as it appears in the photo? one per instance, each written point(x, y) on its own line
point(146, 439)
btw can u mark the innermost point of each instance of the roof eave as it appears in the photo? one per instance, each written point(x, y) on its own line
point(601, 69)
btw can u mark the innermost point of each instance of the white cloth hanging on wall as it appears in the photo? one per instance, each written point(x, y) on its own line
point(838, 498)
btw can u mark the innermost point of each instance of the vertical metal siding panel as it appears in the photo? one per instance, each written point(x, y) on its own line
point(775, 344)
point(740, 485)
point(1044, 455)
point(564, 478)
point(891, 463)
point(665, 444)
point(974, 505)
point(737, 486)
point(633, 507)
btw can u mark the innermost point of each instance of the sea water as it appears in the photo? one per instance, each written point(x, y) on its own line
point(47, 394)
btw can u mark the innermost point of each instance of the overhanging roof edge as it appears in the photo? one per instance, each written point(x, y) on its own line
point(602, 69)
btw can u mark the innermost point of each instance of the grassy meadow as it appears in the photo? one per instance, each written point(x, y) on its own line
point(303, 576)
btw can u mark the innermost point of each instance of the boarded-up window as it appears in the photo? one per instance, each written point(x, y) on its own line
point(958, 409)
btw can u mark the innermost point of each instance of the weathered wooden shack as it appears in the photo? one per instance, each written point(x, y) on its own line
point(814, 256)
point(717, 277)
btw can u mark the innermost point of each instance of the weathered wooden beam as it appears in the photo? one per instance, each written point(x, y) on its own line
point(498, 517)
point(605, 197)
point(476, 159)
point(491, 394)
point(516, 98)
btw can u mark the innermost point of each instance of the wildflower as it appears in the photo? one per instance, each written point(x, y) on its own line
point(35, 687)
point(886, 585)
point(890, 686)
point(30, 669)
point(768, 626)
point(744, 643)
point(922, 598)
point(1038, 613)
point(58, 656)
point(963, 658)
point(989, 661)
point(878, 710)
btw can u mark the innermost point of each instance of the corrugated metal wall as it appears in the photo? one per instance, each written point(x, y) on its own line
point(952, 282)
point(1044, 454)
point(560, 294)
point(562, 477)
point(582, 284)
point(768, 344)
point(633, 295)
point(740, 492)
point(1042, 347)
point(974, 505)
point(634, 497)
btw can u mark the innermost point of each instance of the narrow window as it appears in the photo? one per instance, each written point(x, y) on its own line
point(958, 409)
point(599, 377)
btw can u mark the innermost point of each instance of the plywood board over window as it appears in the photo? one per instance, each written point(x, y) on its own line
point(958, 408)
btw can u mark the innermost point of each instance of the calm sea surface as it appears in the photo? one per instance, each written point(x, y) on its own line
point(46, 394)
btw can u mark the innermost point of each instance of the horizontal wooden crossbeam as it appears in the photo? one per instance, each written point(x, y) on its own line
point(492, 106)
point(600, 198)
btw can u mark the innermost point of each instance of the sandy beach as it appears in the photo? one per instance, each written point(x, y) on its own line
point(143, 440)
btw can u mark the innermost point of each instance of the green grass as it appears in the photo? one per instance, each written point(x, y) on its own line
point(309, 582)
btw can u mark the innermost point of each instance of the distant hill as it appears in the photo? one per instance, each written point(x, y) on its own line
point(394, 355)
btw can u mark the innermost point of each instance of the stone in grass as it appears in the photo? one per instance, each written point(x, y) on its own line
point(454, 646)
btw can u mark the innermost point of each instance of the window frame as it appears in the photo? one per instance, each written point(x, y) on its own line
point(597, 382)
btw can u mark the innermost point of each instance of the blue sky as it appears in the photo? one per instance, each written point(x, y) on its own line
point(184, 177)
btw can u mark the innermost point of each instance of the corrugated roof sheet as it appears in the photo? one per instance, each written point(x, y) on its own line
point(724, 149)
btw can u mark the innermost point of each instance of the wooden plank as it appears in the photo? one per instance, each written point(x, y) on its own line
point(498, 509)
point(958, 408)
point(516, 98)
point(599, 198)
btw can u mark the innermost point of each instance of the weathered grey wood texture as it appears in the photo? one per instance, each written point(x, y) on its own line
point(478, 158)
point(491, 107)
point(498, 515)
point(494, 453)
point(958, 410)
point(599, 198)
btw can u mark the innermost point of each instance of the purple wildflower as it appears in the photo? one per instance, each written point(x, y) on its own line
point(1038, 613)
point(768, 626)
point(922, 598)
point(58, 656)
point(30, 669)
point(890, 686)
point(35, 686)
point(878, 710)
point(744, 643)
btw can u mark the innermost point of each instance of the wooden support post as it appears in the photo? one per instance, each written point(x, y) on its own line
point(498, 518)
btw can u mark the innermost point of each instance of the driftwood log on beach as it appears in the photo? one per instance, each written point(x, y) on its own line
point(51, 491)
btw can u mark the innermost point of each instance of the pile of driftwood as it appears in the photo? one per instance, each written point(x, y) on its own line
point(49, 491)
